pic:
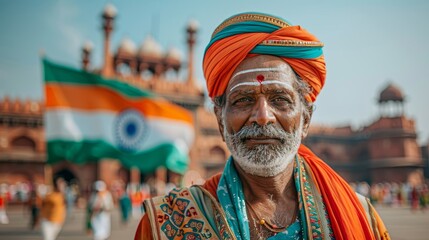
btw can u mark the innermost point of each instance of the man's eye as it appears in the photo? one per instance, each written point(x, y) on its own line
point(281, 100)
point(243, 100)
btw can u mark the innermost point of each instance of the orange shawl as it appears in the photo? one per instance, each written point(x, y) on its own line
point(348, 219)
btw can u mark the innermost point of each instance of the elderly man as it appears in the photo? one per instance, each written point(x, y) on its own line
point(263, 75)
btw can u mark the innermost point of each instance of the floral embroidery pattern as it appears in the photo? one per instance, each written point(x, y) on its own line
point(179, 218)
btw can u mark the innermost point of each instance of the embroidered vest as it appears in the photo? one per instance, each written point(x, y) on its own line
point(187, 213)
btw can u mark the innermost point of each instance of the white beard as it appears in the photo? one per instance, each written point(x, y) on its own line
point(264, 160)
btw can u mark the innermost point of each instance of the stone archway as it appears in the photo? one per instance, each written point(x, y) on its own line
point(67, 175)
point(23, 143)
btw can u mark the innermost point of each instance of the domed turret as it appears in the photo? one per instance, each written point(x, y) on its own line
point(391, 93)
point(173, 59)
point(125, 62)
point(127, 47)
point(174, 54)
point(151, 57)
point(391, 101)
point(150, 48)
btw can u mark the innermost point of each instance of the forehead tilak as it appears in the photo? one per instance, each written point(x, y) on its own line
point(257, 70)
point(265, 82)
point(261, 81)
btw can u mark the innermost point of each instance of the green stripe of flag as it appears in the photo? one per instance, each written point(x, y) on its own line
point(54, 73)
point(91, 151)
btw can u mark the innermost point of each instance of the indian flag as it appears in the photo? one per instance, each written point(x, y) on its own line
point(89, 118)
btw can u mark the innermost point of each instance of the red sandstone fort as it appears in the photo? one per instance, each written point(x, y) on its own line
point(384, 151)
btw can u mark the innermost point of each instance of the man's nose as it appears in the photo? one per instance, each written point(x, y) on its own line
point(262, 113)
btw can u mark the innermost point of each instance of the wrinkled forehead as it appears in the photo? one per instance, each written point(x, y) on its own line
point(262, 70)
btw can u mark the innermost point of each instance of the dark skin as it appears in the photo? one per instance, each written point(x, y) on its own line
point(273, 198)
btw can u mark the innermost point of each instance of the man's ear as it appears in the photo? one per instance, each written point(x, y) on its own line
point(305, 125)
point(218, 113)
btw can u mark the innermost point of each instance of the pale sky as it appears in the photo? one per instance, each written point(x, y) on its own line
point(368, 43)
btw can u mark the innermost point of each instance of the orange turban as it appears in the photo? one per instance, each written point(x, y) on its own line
point(247, 34)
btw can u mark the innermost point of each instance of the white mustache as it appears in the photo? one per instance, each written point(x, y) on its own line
point(255, 130)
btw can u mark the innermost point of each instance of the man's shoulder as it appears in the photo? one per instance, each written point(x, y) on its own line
point(211, 184)
point(182, 192)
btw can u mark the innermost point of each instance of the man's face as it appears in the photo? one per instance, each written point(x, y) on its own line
point(262, 120)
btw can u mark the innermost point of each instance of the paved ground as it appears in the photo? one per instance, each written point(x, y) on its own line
point(404, 224)
point(401, 222)
point(73, 229)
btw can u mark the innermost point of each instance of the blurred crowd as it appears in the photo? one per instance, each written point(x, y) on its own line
point(395, 194)
point(50, 205)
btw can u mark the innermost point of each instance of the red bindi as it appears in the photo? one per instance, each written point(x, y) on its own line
point(260, 78)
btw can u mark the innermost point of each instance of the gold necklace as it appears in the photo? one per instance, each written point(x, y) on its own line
point(264, 222)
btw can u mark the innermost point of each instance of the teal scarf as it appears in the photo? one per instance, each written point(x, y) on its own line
point(231, 198)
